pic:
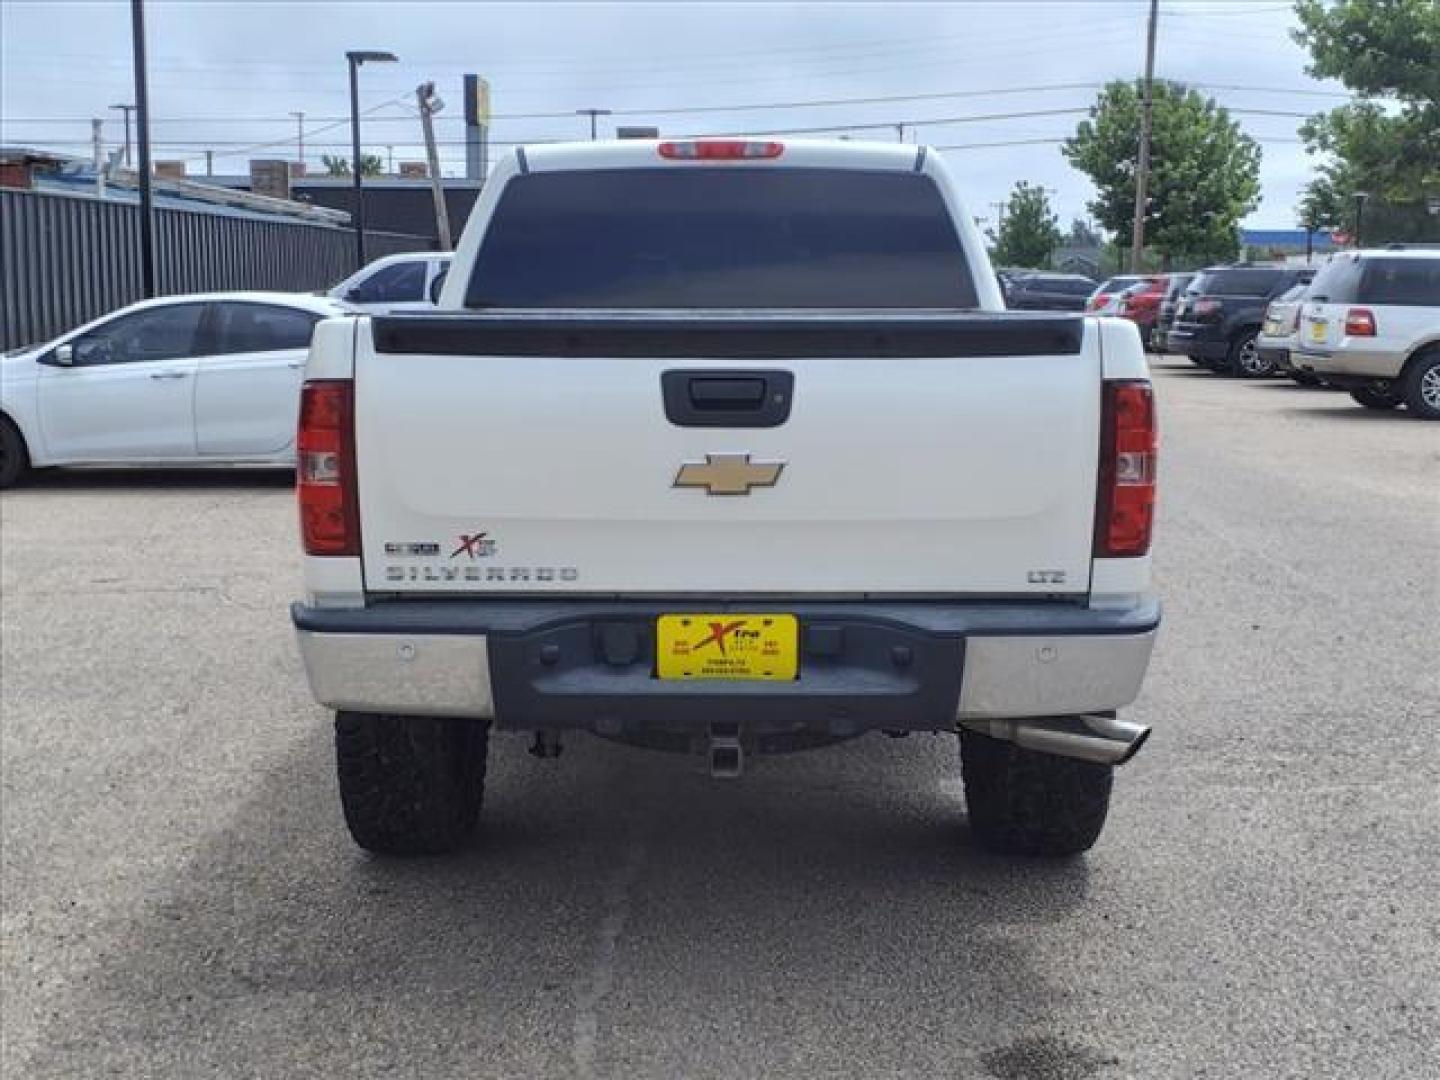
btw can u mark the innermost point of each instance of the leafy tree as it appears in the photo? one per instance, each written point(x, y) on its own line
point(370, 165)
point(1204, 170)
point(1377, 48)
point(1029, 232)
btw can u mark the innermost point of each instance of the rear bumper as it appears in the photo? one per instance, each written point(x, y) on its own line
point(1197, 343)
point(914, 665)
point(1355, 362)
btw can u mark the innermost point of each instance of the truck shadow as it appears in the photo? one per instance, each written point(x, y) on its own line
point(612, 899)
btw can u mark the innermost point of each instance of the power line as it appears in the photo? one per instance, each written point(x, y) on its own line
point(679, 110)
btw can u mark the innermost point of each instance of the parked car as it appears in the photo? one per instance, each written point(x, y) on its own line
point(663, 570)
point(1371, 324)
point(1105, 299)
point(407, 282)
point(204, 379)
point(1043, 291)
point(1140, 303)
point(1175, 285)
point(1276, 339)
point(1218, 317)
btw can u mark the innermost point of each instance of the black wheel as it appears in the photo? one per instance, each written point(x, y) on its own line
point(1027, 803)
point(410, 785)
point(14, 458)
point(1381, 395)
point(1243, 357)
point(1422, 386)
point(1304, 378)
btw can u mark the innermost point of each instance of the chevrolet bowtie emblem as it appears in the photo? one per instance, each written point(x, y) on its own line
point(728, 474)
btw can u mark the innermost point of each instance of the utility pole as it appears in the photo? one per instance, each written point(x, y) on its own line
point(900, 132)
point(209, 162)
point(299, 138)
point(127, 110)
point(1142, 172)
point(593, 113)
point(429, 106)
point(97, 143)
point(142, 137)
point(389, 159)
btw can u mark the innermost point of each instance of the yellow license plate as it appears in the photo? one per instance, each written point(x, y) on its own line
point(729, 646)
point(1317, 332)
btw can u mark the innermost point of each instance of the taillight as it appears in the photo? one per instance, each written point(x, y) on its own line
point(1206, 305)
point(720, 150)
point(1129, 441)
point(1359, 322)
point(325, 472)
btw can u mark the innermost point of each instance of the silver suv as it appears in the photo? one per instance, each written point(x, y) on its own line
point(1371, 323)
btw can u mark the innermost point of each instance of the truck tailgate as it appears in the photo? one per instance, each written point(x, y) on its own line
point(950, 454)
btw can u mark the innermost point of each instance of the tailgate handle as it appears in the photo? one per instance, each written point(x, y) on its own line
point(737, 399)
point(708, 393)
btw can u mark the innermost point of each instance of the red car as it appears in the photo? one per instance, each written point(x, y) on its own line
point(1141, 304)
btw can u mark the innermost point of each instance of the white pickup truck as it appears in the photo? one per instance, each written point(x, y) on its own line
point(727, 447)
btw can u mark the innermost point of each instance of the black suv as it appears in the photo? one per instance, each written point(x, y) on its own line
point(1219, 316)
point(1048, 292)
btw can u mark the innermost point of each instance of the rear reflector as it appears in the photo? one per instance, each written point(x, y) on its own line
point(720, 150)
point(1359, 322)
point(1125, 498)
point(325, 469)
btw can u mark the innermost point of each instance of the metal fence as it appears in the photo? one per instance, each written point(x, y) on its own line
point(65, 260)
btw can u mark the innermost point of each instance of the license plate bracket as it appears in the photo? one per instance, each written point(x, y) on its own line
point(729, 645)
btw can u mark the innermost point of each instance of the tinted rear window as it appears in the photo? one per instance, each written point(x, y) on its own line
point(721, 238)
point(1255, 281)
point(1401, 282)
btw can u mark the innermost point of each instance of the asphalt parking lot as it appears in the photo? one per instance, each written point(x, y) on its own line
point(180, 898)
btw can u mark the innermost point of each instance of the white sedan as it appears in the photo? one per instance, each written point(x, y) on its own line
point(406, 282)
point(183, 380)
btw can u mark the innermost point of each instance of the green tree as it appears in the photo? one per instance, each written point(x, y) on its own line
point(370, 165)
point(1029, 231)
point(1204, 170)
point(1377, 48)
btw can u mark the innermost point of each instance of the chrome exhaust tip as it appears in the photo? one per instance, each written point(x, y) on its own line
point(1098, 737)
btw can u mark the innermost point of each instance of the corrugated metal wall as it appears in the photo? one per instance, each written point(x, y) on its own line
point(66, 260)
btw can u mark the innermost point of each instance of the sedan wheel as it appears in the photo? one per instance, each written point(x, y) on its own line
point(14, 461)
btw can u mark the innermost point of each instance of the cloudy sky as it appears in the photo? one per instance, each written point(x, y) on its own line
point(995, 84)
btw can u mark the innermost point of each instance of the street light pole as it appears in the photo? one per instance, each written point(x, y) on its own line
point(356, 58)
point(592, 113)
point(142, 137)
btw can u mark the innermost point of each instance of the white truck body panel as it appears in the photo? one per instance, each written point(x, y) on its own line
point(906, 475)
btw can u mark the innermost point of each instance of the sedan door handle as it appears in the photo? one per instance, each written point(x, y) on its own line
point(169, 374)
